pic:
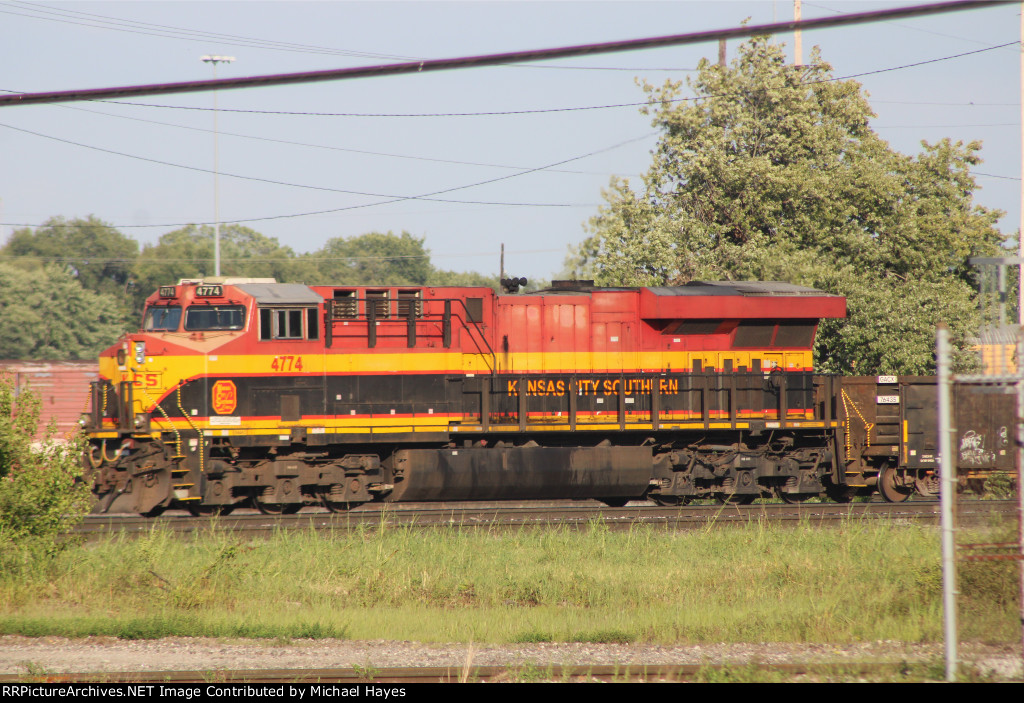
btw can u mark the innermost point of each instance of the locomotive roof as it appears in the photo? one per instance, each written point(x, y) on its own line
point(736, 288)
point(693, 288)
point(281, 293)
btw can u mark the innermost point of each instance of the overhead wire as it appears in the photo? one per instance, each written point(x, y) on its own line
point(85, 260)
point(170, 32)
point(349, 150)
point(391, 198)
point(902, 26)
point(125, 25)
point(428, 196)
point(532, 111)
point(479, 61)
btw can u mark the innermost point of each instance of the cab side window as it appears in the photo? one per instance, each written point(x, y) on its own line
point(289, 323)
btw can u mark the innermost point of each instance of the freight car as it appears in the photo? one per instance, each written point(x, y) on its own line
point(248, 391)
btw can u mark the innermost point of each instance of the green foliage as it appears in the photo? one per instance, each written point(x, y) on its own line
point(70, 287)
point(750, 583)
point(377, 259)
point(461, 278)
point(604, 637)
point(41, 495)
point(46, 314)
point(774, 173)
point(739, 673)
point(1001, 485)
point(96, 254)
point(189, 253)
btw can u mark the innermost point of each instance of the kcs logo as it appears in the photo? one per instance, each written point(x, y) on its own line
point(225, 397)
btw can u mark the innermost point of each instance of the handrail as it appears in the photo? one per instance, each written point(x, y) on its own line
point(416, 309)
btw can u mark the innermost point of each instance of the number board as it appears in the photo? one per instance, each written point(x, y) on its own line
point(168, 291)
point(209, 291)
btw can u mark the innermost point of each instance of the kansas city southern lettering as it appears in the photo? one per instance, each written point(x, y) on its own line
point(595, 386)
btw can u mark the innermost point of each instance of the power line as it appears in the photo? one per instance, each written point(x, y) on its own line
point(904, 26)
point(432, 65)
point(944, 126)
point(992, 175)
point(577, 108)
point(91, 20)
point(85, 260)
point(331, 148)
point(943, 104)
point(172, 32)
point(394, 198)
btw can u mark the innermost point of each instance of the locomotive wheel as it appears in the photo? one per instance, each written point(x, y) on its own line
point(156, 511)
point(276, 508)
point(336, 507)
point(210, 510)
point(671, 501)
point(841, 494)
point(614, 502)
point(794, 498)
point(734, 498)
point(891, 492)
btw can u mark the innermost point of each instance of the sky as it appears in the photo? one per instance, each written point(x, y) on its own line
point(146, 165)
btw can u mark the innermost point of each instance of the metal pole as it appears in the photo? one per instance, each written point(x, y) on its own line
point(214, 60)
point(1020, 475)
point(1020, 343)
point(798, 50)
point(947, 471)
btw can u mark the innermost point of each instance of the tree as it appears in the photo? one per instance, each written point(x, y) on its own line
point(41, 494)
point(382, 259)
point(374, 259)
point(774, 173)
point(46, 314)
point(189, 253)
point(440, 277)
point(96, 254)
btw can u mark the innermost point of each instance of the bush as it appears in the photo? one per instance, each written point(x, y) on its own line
point(42, 496)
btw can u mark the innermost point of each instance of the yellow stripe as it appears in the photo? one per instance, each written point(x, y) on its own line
point(174, 369)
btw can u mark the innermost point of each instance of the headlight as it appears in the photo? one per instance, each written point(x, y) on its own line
point(140, 352)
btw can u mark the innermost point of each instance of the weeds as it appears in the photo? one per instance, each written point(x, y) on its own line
point(758, 582)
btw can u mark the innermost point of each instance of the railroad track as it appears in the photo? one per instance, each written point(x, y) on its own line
point(376, 678)
point(548, 514)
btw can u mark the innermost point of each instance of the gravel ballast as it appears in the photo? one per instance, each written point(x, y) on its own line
point(22, 655)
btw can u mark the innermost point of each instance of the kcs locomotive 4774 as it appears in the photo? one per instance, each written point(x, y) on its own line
point(280, 395)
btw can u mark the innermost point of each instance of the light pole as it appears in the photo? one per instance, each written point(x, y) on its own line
point(214, 60)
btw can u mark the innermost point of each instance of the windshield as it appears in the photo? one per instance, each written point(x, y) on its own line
point(215, 317)
point(165, 317)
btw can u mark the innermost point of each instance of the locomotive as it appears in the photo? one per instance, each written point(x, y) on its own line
point(281, 395)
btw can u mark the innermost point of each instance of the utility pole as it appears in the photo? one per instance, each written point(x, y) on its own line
point(214, 60)
point(798, 51)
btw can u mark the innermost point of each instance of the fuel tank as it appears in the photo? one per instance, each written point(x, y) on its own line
point(520, 473)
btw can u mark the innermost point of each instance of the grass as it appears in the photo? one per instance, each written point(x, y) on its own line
point(862, 581)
